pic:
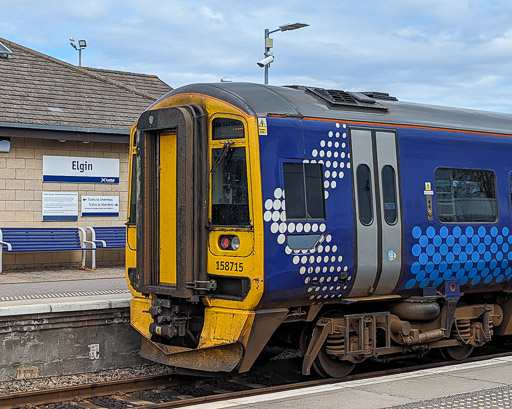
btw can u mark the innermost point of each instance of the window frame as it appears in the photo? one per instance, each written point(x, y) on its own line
point(496, 196)
point(134, 184)
point(243, 150)
point(395, 197)
point(371, 186)
point(510, 190)
point(235, 143)
point(304, 164)
point(232, 118)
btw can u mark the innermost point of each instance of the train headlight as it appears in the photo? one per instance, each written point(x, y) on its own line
point(235, 243)
point(229, 243)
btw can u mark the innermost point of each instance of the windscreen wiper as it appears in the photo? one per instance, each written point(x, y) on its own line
point(221, 156)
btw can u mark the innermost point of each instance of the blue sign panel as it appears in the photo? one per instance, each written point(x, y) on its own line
point(74, 169)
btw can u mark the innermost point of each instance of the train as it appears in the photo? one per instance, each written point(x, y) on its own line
point(347, 225)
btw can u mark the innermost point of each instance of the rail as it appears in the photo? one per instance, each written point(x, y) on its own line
point(120, 390)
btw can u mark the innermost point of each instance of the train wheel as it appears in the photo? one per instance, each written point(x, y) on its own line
point(457, 353)
point(327, 365)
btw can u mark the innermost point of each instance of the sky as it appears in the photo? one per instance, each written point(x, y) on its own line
point(442, 52)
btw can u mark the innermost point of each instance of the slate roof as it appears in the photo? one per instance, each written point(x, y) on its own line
point(37, 90)
point(149, 83)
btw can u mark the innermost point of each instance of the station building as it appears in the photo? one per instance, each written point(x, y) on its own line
point(56, 121)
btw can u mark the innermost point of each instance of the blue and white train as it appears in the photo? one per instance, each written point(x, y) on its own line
point(355, 224)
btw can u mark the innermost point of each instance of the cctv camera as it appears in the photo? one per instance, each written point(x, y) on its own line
point(266, 61)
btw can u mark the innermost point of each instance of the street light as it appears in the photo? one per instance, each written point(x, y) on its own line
point(269, 43)
point(81, 45)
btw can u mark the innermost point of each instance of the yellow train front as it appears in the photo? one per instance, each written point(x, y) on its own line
point(353, 224)
point(194, 250)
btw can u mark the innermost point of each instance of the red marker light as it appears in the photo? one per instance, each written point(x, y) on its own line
point(224, 242)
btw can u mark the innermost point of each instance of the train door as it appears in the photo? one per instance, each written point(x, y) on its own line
point(377, 204)
point(172, 151)
point(168, 144)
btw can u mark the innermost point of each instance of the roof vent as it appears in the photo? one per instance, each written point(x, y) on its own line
point(380, 95)
point(334, 96)
point(337, 96)
point(4, 51)
point(344, 98)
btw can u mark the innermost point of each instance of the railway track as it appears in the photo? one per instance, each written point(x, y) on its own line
point(76, 393)
point(158, 392)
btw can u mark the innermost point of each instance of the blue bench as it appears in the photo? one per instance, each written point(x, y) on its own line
point(106, 237)
point(15, 239)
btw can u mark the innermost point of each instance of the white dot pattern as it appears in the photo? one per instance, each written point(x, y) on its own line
point(322, 264)
point(337, 155)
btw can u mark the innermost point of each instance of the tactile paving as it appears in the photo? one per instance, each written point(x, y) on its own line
point(496, 398)
point(62, 295)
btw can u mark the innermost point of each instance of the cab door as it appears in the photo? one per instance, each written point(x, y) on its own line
point(377, 204)
point(172, 148)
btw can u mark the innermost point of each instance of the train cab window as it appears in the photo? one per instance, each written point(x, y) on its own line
point(134, 190)
point(230, 198)
point(389, 194)
point(364, 194)
point(465, 195)
point(227, 128)
point(135, 182)
point(303, 188)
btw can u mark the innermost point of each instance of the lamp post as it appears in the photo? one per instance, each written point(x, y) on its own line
point(269, 43)
point(81, 45)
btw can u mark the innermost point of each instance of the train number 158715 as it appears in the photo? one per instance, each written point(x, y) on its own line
point(230, 266)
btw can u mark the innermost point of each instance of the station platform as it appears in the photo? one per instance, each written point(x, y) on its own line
point(42, 290)
point(476, 385)
point(61, 321)
point(63, 273)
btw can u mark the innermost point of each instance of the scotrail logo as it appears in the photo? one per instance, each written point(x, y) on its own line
point(108, 180)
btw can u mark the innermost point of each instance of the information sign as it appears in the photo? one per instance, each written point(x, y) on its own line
point(60, 206)
point(100, 206)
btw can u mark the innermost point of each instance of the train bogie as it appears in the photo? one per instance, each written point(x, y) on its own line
point(377, 228)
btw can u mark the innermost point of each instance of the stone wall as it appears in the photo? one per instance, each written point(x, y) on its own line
point(55, 344)
point(21, 187)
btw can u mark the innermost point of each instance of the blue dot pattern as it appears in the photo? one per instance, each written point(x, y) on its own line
point(472, 255)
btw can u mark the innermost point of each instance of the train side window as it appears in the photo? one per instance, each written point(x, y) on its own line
point(364, 194)
point(227, 128)
point(303, 188)
point(465, 195)
point(389, 194)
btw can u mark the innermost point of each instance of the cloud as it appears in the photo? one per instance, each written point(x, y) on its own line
point(211, 15)
point(453, 53)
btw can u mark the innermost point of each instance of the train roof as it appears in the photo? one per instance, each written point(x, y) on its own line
point(374, 107)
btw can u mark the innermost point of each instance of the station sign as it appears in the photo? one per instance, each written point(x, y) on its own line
point(100, 206)
point(74, 169)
